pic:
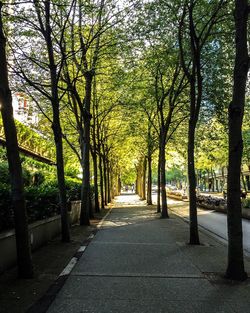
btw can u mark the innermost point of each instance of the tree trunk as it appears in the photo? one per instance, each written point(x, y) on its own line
point(94, 152)
point(243, 181)
point(235, 268)
point(25, 268)
point(108, 182)
point(159, 183)
point(144, 174)
point(164, 209)
point(56, 126)
point(149, 189)
point(105, 181)
point(194, 234)
point(119, 185)
point(97, 205)
point(85, 196)
point(60, 175)
point(101, 181)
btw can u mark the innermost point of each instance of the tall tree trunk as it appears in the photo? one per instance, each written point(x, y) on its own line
point(60, 175)
point(108, 182)
point(194, 234)
point(97, 205)
point(149, 189)
point(144, 175)
point(85, 196)
point(94, 152)
point(235, 268)
point(243, 181)
point(164, 209)
point(25, 268)
point(56, 126)
point(159, 183)
point(105, 181)
point(119, 185)
point(101, 180)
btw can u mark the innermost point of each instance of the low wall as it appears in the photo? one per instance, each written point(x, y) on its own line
point(176, 196)
point(40, 233)
point(222, 209)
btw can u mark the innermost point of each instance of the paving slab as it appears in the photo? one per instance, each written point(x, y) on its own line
point(140, 306)
point(137, 288)
point(139, 263)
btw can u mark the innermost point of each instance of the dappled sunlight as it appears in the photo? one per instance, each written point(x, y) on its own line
point(129, 210)
point(126, 199)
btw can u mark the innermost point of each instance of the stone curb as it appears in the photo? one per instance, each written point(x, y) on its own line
point(42, 304)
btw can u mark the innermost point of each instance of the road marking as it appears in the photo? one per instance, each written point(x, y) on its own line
point(104, 218)
point(69, 267)
point(81, 249)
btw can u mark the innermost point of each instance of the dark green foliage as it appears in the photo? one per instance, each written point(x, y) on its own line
point(42, 201)
point(4, 173)
point(246, 203)
point(41, 192)
point(6, 210)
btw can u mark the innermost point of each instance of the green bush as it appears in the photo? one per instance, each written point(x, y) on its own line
point(6, 210)
point(4, 173)
point(73, 189)
point(245, 203)
point(42, 202)
point(5, 176)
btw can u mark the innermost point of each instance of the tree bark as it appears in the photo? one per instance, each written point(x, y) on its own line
point(105, 181)
point(164, 209)
point(85, 195)
point(159, 183)
point(101, 180)
point(149, 189)
point(144, 175)
point(56, 126)
point(194, 234)
point(235, 267)
point(94, 154)
point(108, 182)
point(25, 268)
point(119, 185)
point(94, 158)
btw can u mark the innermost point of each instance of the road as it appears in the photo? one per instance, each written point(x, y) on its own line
point(214, 222)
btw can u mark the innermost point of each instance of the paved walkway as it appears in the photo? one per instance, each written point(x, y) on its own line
point(139, 263)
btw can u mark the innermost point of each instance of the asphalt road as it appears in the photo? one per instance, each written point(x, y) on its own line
point(214, 222)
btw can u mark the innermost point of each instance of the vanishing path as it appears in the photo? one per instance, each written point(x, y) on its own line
point(139, 263)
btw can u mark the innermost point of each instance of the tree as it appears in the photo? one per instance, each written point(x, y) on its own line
point(36, 22)
point(25, 268)
point(198, 32)
point(235, 268)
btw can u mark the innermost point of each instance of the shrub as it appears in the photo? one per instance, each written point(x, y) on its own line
point(42, 201)
point(73, 189)
point(210, 201)
point(245, 203)
point(6, 210)
point(5, 176)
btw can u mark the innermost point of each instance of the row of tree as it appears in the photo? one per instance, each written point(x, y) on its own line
point(122, 84)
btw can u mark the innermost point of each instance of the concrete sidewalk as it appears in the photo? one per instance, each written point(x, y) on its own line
point(139, 263)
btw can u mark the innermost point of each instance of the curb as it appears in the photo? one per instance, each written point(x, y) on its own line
point(210, 233)
point(42, 304)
